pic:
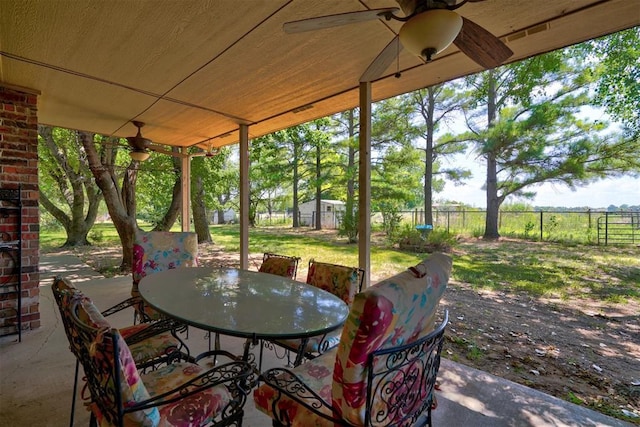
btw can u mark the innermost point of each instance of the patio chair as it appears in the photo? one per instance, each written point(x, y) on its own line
point(340, 280)
point(384, 369)
point(178, 394)
point(152, 344)
point(280, 265)
point(155, 251)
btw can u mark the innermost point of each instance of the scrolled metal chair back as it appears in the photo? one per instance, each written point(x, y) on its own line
point(401, 380)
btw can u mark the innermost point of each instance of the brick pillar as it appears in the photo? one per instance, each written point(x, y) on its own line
point(19, 167)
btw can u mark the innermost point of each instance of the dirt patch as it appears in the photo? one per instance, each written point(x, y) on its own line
point(589, 357)
point(582, 350)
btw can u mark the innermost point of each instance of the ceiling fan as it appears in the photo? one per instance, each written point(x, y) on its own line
point(139, 147)
point(139, 144)
point(430, 26)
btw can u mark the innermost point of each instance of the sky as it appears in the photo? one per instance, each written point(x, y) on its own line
point(600, 194)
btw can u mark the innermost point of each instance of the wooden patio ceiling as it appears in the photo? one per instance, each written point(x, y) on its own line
point(194, 71)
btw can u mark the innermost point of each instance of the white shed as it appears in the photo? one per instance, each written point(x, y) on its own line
point(330, 211)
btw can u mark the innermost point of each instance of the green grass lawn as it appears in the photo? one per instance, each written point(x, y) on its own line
point(537, 268)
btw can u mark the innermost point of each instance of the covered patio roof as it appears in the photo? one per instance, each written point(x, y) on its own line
point(195, 71)
point(215, 73)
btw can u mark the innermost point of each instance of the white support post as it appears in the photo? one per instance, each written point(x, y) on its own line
point(364, 184)
point(244, 197)
point(186, 191)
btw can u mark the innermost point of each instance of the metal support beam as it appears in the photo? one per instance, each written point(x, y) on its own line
point(364, 184)
point(186, 190)
point(244, 196)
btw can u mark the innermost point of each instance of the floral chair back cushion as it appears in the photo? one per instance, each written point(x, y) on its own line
point(102, 358)
point(155, 251)
point(393, 312)
point(280, 266)
point(339, 280)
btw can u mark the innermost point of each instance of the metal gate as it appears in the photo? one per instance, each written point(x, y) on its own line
point(619, 228)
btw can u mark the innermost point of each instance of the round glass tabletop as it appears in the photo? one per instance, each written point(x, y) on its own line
point(243, 303)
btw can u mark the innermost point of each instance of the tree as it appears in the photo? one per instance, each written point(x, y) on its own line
point(346, 125)
point(159, 191)
point(267, 172)
point(292, 146)
point(614, 61)
point(67, 189)
point(199, 199)
point(523, 119)
point(412, 121)
point(434, 106)
point(119, 197)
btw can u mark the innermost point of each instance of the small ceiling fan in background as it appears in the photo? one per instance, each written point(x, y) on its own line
point(139, 144)
point(139, 147)
point(430, 26)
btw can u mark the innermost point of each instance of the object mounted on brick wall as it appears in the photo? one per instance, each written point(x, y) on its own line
point(11, 262)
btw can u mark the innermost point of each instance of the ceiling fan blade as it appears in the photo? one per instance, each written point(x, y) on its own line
point(383, 60)
point(481, 46)
point(330, 21)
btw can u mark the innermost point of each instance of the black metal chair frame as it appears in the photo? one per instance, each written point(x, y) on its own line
point(154, 328)
point(236, 375)
point(323, 344)
point(400, 370)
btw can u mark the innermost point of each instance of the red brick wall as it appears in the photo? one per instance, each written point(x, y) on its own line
point(19, 166)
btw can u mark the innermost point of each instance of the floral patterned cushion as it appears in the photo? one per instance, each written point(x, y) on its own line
point(155, 251)
point(142, 351)
point(393, 312)
point(339, 280)
point(132, 389)
point(159, 345)
point(196, 410)
point(65, 294)
point(279, 266)
point(317, 374)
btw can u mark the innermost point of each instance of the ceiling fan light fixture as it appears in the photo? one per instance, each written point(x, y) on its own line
point(430, 32)
point(139, 155)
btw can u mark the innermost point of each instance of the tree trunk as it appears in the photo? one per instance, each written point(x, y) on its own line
point(83, 193)
point(429, 158)
point(350, 214)
point(199, 209)
point(318, 217)
point(120, 203)
point(493, 205)
point(296, 157)
point(493, 201)
point(170, 217)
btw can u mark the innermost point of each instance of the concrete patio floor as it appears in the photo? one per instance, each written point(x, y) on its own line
point(36, 375)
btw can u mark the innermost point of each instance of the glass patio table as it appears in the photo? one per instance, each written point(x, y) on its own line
point(243, 303)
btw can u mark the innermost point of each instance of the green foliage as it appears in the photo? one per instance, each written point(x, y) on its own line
point(349, 225)
point(524, 121)
point(551, 225)
point(96, 235)
point(614, 62)
point(390, 218)
point(528, 228)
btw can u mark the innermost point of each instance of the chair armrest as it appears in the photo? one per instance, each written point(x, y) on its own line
point(152, 329)
point(236, 374)
point(288, 383)
point(129, 302)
